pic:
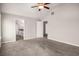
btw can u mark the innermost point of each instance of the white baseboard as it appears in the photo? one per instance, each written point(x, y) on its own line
point(9, 41)
point(33, 38)
point(64, 42)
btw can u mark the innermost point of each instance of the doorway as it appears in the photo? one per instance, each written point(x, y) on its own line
point(19, 29)
point(45, 35)
point(41, 29)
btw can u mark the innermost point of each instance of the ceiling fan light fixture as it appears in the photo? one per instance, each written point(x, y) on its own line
point(40, 7)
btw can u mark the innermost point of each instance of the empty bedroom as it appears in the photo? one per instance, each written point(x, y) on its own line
point(39, 29)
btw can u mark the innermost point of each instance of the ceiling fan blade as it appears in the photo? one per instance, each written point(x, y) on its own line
point(34, 6)
point(46, 7)
point(46, 3)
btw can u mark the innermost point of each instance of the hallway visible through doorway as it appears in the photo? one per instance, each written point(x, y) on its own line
point(19, 30)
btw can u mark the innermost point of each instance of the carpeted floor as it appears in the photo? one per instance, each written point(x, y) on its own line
point(38, 47)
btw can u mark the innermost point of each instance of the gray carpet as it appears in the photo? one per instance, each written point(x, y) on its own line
point(38, 47)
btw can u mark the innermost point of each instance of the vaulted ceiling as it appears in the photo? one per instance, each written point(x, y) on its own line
point(24, 9)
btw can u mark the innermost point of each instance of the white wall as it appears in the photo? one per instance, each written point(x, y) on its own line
point(0, 28)
point(8, 28)
point(39, 29)
point(63, 26)
point(30, 28)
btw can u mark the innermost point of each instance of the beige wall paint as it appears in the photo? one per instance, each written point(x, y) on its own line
point(63, 26)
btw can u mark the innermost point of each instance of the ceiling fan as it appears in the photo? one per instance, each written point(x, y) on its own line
point(40, 6)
